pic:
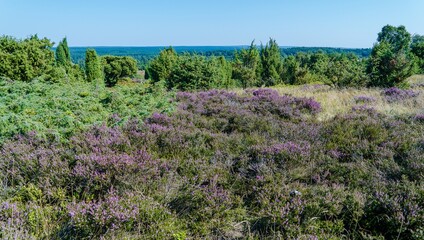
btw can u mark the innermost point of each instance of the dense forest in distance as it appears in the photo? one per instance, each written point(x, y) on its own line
point(144, 54)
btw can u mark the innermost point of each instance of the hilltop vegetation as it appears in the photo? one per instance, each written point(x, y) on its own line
point(309, 146)
point(144, 55)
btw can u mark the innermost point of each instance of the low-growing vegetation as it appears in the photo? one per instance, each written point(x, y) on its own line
point(223, 165)
point(311, 146)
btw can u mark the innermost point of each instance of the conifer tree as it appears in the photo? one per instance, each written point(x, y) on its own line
point(391, 60)
point(63, 56)
point(271, 63)
point(246, 66)
point(92, 66)
point(160, 67)
point(66, 49)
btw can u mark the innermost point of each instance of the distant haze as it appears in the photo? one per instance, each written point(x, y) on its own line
point(324, 23)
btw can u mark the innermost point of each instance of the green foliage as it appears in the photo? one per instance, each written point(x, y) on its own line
point(93, 70)
point(191, 72)
point(391, 60)
point(222, 73)
point(63, 61)
point(62, 108)
point(271, 64)
point(63, 55)
point(160, 68)
point(116, 68)
point(417, 48)
point(83, 162)
point(28, 193)
point(247, 66)
point(24, 60)
point(388, 68)
point(339, 70)
point(346, 71)
point(397, 37)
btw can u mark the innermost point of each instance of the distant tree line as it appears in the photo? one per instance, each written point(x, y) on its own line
point(360, 52)
point(144, 55)
point(395, 56)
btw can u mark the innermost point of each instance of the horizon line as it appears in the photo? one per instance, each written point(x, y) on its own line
point(179, 46)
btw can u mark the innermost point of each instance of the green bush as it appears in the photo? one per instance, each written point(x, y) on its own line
point(115, 68)
point(61, 109)
point(23, 60)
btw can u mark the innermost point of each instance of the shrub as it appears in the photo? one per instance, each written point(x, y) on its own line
point(115, 68)
point(62, 109)
point(24, 60)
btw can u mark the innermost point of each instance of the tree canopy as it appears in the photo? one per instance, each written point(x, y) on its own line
point(391, 60)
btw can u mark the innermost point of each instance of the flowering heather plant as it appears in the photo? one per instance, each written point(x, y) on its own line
point(364, 109)
point(222, 165)
point(281, 214)
point(289, 147)
point(399, 207)
point(104, 158)
point(29, 159)
point(282, 153)
point(12, 222)
point(109, 214)
point(264, 100)
point(364, 99)
point(417, 85)
point(394, 94)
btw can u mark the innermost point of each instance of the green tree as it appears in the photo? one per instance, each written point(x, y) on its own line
point(271, 63)
point(221, 72)
point(398, 37)
point(346, 70)
point(391, 60)
point(115, 68)
point(246, 66)
point(417, 48)
point(293, 72)
point(93, 70)
point(318, 63)
point(160, 67)
point(63, 55)
point(25, 59)
point(194, 72)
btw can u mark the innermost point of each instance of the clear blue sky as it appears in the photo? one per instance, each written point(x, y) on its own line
point(335, 23)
